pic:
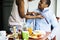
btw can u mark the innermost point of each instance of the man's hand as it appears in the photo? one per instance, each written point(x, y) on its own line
point(46, 39)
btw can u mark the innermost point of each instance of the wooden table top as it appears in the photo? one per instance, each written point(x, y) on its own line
point(47, 33)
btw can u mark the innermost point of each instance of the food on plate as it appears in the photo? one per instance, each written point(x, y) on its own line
point(38, 34)
point(33, 36)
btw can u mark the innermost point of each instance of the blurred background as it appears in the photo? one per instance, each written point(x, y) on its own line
point(5, 11)
point(0, 13)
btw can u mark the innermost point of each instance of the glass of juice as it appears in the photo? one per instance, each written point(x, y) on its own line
point(30, 31)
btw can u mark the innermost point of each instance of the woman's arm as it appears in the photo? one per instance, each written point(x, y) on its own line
point(30, 0)
point(33, 15)
point(20, 4)
point(29, 17)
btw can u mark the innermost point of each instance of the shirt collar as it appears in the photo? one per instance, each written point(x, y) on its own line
point(45, 9)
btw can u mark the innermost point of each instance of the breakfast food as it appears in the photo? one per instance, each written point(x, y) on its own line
point(38, 34)
point(33, 36)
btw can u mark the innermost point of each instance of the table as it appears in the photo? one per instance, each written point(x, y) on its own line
point(47, 33)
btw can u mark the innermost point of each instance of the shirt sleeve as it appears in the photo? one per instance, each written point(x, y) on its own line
point(55, 24)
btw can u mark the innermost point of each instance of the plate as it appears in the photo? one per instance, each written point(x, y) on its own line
point(38, 34)
point(10, 36)
point(33, 37)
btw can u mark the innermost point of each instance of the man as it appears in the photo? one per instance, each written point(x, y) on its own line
point(48, 20)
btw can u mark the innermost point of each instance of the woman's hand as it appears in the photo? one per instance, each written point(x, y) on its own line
point(31, 13)
point(39, 16)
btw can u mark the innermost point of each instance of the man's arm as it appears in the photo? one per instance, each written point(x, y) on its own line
point(55, 25)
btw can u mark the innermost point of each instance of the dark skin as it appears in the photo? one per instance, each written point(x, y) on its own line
point(42, 5)
point(20, 4)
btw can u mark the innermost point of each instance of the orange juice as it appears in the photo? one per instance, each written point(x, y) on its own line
point(30, 31)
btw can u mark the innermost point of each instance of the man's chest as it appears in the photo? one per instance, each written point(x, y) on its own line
point(46, 18)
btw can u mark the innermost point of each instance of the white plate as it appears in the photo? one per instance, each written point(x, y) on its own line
point(42, 33)
point(33, 37)
point(39, 32)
